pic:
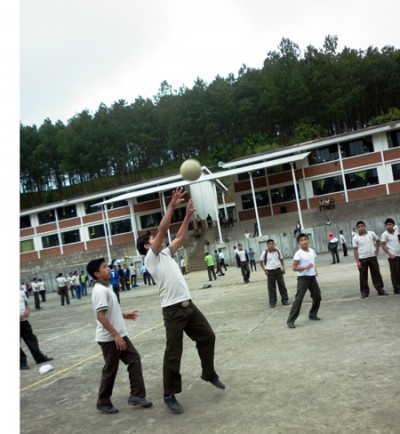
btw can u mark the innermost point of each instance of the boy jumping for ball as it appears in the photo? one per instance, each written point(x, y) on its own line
point(304, 264)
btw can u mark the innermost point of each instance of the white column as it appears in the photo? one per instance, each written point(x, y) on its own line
point(106, 231)
point(346, 197)
point(255, 205)
point(297, 195)
point(133, 222)
point(216, 213)
point(58, 232)
point(164, 207)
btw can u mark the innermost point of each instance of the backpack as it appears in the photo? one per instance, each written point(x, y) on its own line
point(266, 255)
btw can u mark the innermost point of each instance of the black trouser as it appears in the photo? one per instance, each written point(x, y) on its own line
point(394, 265)
point(253, 264)
point(31, 341)
point(116, 290)
point(244, 267)
point(276, 277)
point(43, 295)
point(72, 287)
point(211, 272)
point(344, 245)
point(373, 265)
point(129, 357)
point(335, 255)
point(64, 295)
point(179, 319)
point(304, 283)
point(223, 264)
point(37, 299)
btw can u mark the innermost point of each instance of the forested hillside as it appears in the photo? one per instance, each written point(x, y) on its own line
point(294, 97)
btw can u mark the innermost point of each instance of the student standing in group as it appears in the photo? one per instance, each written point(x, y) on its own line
point(114, 280)
point(343, 242)
point(83, 280)
point(132, 270)
point(62, 288)
point(366, 246)
point(112, 336)
point(391, 246)
point(242, 258)
point(304, 264)
point(36, 291)
point(42, 290)
point(179, 312)
point(209, 260)
point(333, 244)
point(272, 262)
point(252, 258)
point(222, 259)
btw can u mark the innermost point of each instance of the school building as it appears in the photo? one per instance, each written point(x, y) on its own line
point(346, 168)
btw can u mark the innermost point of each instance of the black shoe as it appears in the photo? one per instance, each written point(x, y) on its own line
point(24, 368)
point(314, 318)
point(135, 400)
point(45, 359)
point(215, 382)
point(285, 303)
point(272, 305)
point(291, 325)
point(364, 295)
point(108, 409)
point(173, 404)
point(382, 292)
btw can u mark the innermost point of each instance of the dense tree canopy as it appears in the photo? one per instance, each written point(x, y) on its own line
point(293, 98)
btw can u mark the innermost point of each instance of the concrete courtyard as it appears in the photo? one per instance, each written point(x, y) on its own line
point(338, 375)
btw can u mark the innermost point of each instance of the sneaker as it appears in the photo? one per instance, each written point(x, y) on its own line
point(314, 318)
point(382, 292)
point(45, 359)
point(215, 382)
point(173, 404)
point(135, 400)
point(107, 409)
point(291, 325)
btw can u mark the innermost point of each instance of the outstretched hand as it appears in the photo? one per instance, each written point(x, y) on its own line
point(178, 196)
point(189, 208)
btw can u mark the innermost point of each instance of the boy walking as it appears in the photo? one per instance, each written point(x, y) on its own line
point(304, 264)
point(391, 246)
point(112, 336)
point(366, 246)
point(272, 262)
point(179, 312)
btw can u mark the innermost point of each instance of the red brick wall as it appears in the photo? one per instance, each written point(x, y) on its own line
point(366, 193)
point(394, 187)
point(147, 206)
point(50, 227)
point(361, 160)
point(26, 232)
point(391, 154)
point(76, 221)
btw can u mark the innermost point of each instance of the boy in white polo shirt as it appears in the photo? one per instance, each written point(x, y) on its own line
point(366, 246)
point(179, 312)
point(112, 336)
point(391, 246)
point(304, 264)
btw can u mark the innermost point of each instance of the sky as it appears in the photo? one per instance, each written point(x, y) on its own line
point(77, 54)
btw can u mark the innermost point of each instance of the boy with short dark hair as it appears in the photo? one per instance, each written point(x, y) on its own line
point(112, 336)
point(180, 314)
point(304, 264)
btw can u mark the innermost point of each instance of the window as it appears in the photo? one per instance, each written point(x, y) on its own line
point(50, 241)
point(178, 215)
point(46, 217)
point(89, 209)
point(25, 222)
point(26, 246)
point(96, 231)
point(323, 155)
point(393, 139)
point(120, 226)
point(396, 171)
point(116, 204)
point(279, 168)
point(357, 147)
point(327, 185)
point(147, 197)
point(70, 237)
point(261, 199)
point(150, 220)
point(363, 178)
point(66, 212)
point(255, 174)
point(283, 194)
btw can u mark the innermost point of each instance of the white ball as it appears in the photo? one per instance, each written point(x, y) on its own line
point(190, 170)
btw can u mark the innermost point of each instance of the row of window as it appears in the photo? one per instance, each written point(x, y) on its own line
point(324, 186)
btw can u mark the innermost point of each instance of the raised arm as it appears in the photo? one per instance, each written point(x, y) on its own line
point(177, 198)
point(180, 236)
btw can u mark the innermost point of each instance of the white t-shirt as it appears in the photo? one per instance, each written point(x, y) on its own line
point(61, 281)
point(273, 261)
point(305, 258)
point(392, 242)
point(22, 300)
point(104, 298)
point(35, 286)
point(242, 255)
point(42, 286)
point(75, 280)
point(342, 239)
point(172, 286)
point(132, 270)
point(365, 244)
point(221, 255)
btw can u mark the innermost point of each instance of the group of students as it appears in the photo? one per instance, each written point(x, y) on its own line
point(180, 315)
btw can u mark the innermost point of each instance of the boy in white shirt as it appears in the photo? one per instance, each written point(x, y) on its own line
point(366, 246)
point(304, 264)
point(112, 336)
point(391, 246)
